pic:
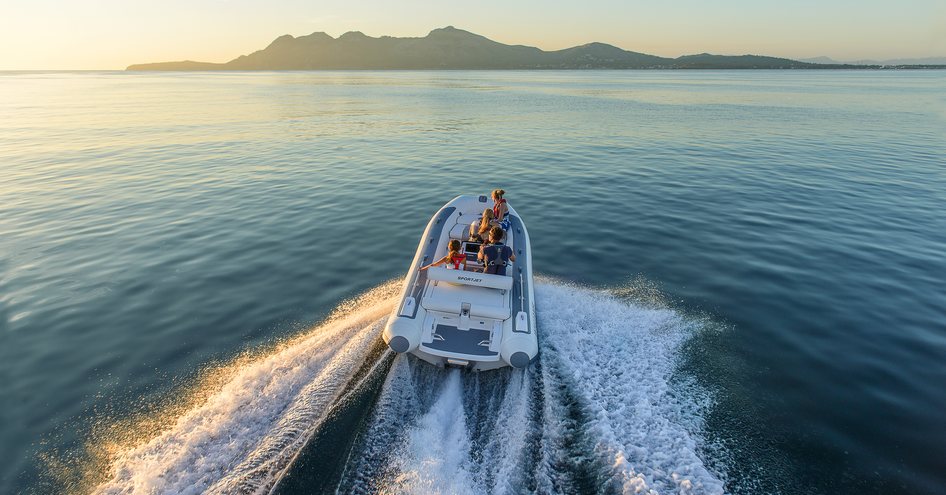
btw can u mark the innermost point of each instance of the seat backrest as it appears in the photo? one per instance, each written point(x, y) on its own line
point(460, 231)
point(442, 274)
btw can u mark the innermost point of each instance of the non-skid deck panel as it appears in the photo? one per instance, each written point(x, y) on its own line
point(461, 341)
point(432, 239)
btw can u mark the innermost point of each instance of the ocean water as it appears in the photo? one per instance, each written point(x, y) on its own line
point(741, 281)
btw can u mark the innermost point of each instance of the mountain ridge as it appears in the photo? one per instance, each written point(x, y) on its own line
point(457, 49)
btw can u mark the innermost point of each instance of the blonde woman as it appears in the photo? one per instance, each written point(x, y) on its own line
point(454, 256)
point(480, 232)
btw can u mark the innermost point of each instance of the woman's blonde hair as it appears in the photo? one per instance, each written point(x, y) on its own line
point(498, 193)
point(487, 218)
point(454, 246)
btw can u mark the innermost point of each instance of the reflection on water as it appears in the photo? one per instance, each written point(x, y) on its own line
point(153, 223)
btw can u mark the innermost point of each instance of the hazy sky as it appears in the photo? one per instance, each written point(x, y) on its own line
point(111, 34)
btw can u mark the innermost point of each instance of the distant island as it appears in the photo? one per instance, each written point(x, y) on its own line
point(452, 48)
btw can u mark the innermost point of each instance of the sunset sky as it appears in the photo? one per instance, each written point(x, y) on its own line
point(111, 34)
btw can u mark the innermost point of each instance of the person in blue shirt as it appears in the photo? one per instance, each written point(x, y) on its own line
point(496, 255)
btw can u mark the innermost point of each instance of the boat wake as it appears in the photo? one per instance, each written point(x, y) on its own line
point(599, 412)
point(244, 435)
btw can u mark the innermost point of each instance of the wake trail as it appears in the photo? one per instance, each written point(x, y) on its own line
point(438, 444)
point(243, 435)
point(598, 412)
point(617, 359)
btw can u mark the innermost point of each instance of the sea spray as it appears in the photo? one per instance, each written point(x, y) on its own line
point(241, 436)
point(598, 412)
point(373, 463)
point(619, 358)
point(504, 430)
point(435, 458)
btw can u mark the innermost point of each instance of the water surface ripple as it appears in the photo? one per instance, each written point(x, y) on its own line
point(155, 225)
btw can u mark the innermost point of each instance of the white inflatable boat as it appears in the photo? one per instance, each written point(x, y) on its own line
point(466, 318)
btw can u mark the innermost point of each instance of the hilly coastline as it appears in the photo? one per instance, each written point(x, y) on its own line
point(452, 48)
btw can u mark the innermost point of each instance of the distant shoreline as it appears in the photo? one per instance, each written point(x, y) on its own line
point(213, 71)
point(694, 69)
point(450, 48)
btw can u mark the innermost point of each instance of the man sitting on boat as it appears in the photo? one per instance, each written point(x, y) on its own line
point(496, 255)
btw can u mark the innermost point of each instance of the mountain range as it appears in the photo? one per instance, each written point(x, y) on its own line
point(452, 48)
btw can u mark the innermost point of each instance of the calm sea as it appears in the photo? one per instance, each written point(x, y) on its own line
point(743, 281)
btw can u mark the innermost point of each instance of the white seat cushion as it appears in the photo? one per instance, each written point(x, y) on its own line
point(449, 298)
point(460, 231)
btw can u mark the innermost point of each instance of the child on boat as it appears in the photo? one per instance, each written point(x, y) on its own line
point(454, 256)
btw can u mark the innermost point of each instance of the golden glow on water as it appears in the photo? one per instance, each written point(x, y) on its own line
point(733, 204)
point(115, 438)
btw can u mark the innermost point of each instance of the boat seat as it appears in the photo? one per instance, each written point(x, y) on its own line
point(484, 302)
point(478, 279)
point(460, 231)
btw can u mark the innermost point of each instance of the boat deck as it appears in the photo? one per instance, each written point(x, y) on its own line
point(474, 342)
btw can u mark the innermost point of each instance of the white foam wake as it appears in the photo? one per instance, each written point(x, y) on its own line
point(443, 431)
point(598, 412)
point(241, 436)
point(618, 359)
point(435, 459)
point(509, 428)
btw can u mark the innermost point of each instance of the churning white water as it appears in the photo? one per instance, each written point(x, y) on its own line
point(244, 434)
point(597, 412)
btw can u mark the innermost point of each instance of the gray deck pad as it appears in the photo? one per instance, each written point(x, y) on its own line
point(461, 341)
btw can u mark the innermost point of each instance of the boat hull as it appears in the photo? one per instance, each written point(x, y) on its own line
point(466, 318)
